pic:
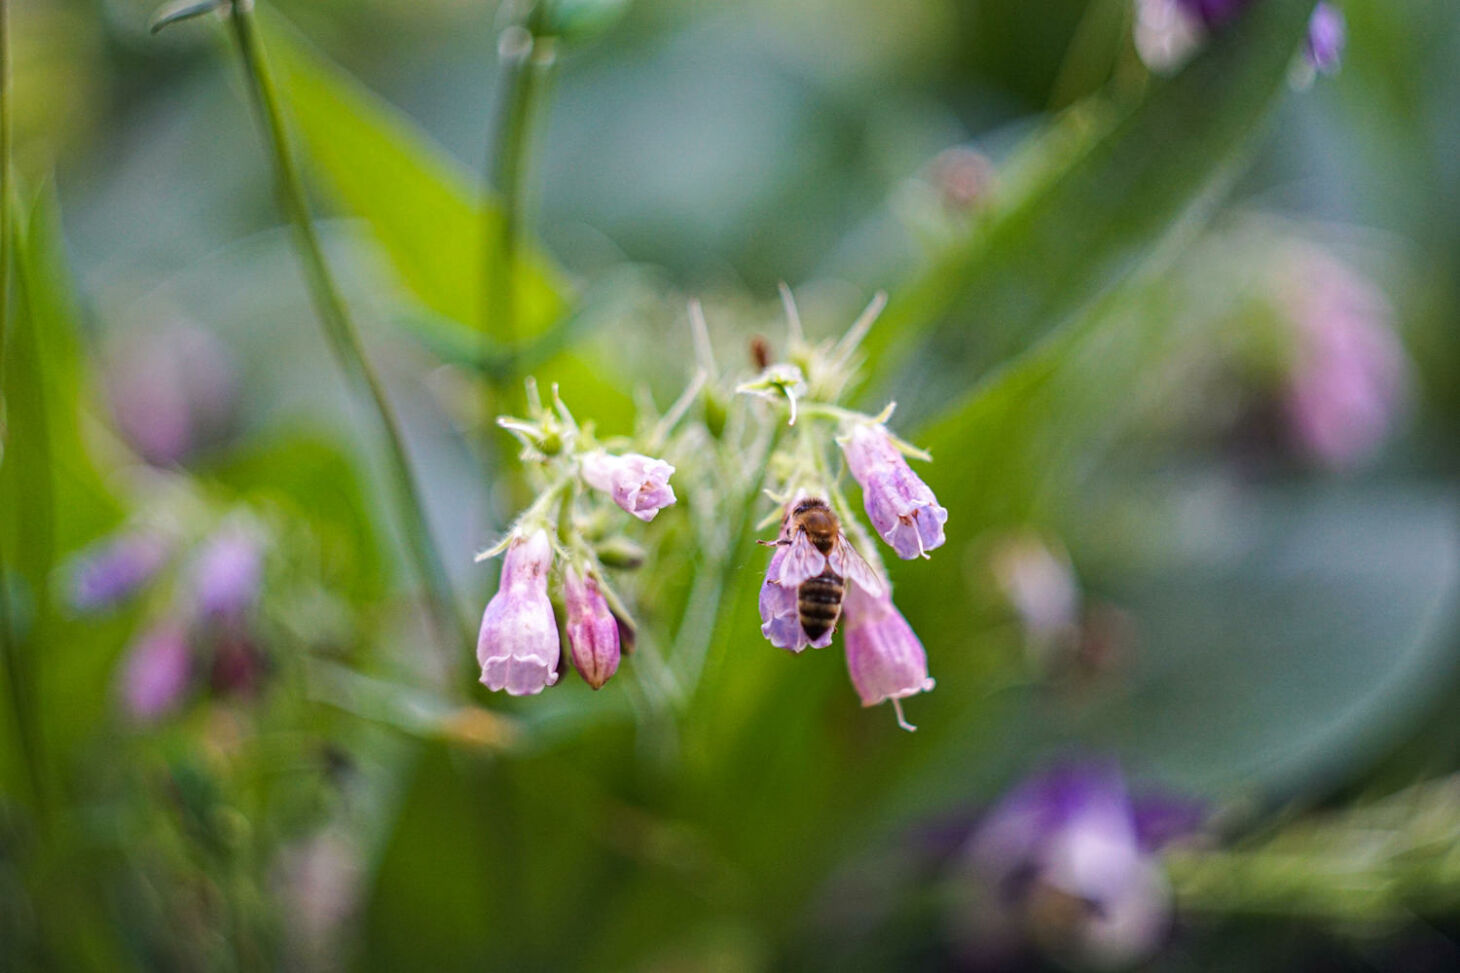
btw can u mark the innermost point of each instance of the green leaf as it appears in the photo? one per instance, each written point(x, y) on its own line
point(421, 205)
point(1041, 262)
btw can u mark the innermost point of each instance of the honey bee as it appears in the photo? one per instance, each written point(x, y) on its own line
point(818, 563)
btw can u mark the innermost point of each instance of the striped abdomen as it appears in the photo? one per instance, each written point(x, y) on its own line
point(819, 603)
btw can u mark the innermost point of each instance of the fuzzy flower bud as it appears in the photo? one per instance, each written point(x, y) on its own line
point(1324, 45)
point(899, 504)
point(637, 483)
point(592, 629)
point(156, 673)
point(518, 646)
point(884, 657)
point(116, 570)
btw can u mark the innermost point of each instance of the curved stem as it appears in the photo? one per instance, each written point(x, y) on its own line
point(340, 329)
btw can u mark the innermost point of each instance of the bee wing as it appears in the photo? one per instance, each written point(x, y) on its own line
point(845, 561)
point(802, 561)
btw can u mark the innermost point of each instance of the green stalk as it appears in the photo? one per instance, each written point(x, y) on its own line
point(4, 183)
point(339, 328)
point(527, 63)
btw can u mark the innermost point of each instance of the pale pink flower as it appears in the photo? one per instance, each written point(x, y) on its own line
point(156, 673)
point(899, 504)
point(884, 657)
point(518, 646)
point(637, 483)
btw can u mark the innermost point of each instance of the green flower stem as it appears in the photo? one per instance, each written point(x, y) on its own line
point(527, 63)
point(339, 328)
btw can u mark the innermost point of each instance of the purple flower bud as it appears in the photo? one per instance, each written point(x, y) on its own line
point(172, 391)
point(156, 672)
point(884, 657)
point(1213, 13)
point(1349, 374)
point(1062, 854)
point(518, 647)
point(780, 619)
point(229, 572)
point(116, 569)
point(1326, 37)
point(638, 483)
point(899, 504)
point(592, 629)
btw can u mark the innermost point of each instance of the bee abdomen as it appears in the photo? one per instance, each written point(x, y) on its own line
point(819, 604)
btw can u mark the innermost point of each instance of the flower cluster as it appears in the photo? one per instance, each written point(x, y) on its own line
point(518, 647)
point(205, 632)
point(1069, 859)
point(824, 571)
point(1167, 31)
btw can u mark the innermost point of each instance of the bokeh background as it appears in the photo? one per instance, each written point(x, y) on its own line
point(1174, 540)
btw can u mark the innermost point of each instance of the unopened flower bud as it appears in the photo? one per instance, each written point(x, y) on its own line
point(898, 502)
point(637, 483)
point(116, 570)
point(156, 672)
point(884, 657)
point(592, 629)
point(518, 646)
point(619, 552)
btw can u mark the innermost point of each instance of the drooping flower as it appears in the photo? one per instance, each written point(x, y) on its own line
point(1349, 373)
point(637, 483)
point(1069, 857)
point(884, 657)
point(899, 504)
point(593, 631)
point(156, 673)
point(518, 647)
point(1327, 34)
point(116, 569)
point(229, 572)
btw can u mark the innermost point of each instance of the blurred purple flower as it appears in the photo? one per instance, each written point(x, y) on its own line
point(1064, 855)
point(884, 657)
point(518, 647)
point(116, 569)
point(899, 504)
point(592, 629)
point(156, 672)
point(1040, 585)
point(637, 483)
point(1327, 35)
point(228, 573)
point(1213, 13)
point(172, 391)
point(1349, 375)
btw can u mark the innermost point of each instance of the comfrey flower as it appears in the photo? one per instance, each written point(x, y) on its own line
point(899, 504)
point(1349, 370)
point(172, 393)
point(228, 574)
point(156, 673)
point(566, 526)
point(518, 646)
point(885, 659)
point(637, 483)
point(592, 629)
point(1071, 859)
point(1168, 31)
point(116, 569)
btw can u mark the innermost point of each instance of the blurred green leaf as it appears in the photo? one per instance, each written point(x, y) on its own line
point(1150, 177)
point(420, 204)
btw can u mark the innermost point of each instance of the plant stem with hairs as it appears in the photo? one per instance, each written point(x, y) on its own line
point(339, 328)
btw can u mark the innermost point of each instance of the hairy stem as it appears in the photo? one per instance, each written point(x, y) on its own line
point(339, 328)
